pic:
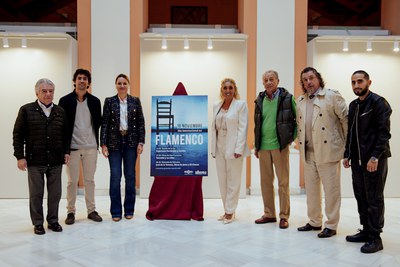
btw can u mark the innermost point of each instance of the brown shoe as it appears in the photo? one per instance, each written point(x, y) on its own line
point(94, 216)
point(265, 220)
point(283, 224)
point(327, 233)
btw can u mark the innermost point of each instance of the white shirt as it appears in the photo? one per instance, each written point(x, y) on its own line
point(123, 110)
point(46, 110)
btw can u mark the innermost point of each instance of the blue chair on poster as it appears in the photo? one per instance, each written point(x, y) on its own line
point(165, 118)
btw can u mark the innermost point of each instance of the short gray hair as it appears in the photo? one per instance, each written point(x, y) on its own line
point(43, 81)
point(274, 72)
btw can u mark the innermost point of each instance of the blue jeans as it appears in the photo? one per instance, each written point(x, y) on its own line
point(127, 156)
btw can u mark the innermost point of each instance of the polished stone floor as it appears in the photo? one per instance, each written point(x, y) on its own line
point(140, 242)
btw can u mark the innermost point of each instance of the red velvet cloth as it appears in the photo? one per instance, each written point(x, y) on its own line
point(176, 197)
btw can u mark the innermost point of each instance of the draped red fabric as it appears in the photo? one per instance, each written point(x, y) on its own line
point(176, 197)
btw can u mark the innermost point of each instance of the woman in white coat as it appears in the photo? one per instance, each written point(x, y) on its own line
point(229, 145)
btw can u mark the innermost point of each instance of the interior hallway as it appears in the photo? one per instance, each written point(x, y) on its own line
point(140, 242)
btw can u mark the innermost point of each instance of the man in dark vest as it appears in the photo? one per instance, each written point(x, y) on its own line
point(275, 129)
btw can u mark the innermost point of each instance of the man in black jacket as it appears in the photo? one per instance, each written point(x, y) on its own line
point(84, 119)
point(367, 152)
point(41, 146)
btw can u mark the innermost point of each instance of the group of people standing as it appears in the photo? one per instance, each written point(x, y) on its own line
point(47, 135)
point(327, 132)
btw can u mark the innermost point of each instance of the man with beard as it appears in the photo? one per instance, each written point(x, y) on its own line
point(367, 150)
point(322, 129)
point(84, 119)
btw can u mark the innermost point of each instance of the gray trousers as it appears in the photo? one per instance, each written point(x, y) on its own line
point(36, 191)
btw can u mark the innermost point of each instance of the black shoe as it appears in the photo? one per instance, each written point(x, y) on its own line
point(372, 246)
point(39, 230)
point(56, 227)
point(70, 218)
point(94, 216)
point(308, 227)
point(327, 233)
point(361, 236)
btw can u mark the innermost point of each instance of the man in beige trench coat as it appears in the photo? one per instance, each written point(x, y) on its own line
point(322, 128)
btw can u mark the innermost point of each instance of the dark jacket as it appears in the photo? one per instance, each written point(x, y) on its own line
point(68, 103)
point(110, 133)
point(39, 139)
point(285, 119)
point(369, 123)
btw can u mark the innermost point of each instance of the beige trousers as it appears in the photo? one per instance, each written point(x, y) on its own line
point(270, 159)
point(88, 158)
point(329, 175)
point(229, 173)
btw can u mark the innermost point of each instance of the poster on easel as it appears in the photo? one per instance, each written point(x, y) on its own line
point(179, 135)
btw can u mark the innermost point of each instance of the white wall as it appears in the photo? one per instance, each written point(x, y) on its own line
point(383, 66)
point(20, 68)
point(201, 71)
point(110, 57)
point(275, 50)
point(275, 41)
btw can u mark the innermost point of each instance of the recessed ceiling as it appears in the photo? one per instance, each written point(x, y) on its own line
point(320, 12)
point(344, 12)
point(38, 11)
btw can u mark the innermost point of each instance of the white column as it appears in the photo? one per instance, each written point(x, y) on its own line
point(275, 41)
point(275, 50)
point(110, 56)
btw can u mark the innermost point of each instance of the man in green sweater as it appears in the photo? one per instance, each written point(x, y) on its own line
point(275, 129)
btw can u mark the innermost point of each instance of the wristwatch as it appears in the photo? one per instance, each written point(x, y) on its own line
point(373, 159)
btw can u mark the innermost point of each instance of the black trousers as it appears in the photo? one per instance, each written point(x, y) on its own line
point(368, 190)
point(36, 191)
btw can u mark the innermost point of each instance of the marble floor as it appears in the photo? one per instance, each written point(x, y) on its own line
point(140, 242)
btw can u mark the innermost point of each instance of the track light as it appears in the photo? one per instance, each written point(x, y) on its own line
point(186, 44)
point(164, 44)
point(5, 43)
point(209, 44)
point(396, 46)
point(345, 46)
point(369, 46)
point(23, 43)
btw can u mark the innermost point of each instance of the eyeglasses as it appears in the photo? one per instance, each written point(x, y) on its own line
point(230, 87)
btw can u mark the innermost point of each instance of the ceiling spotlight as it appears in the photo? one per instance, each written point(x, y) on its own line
point(186, 44)
point(345, 46)
point(5, 43)
point(369, 46)
point(23, 43)
point(164, 44)
point(209, 44)
point(396, 46)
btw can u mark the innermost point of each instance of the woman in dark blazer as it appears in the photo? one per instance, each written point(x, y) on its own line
point(122, 139)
